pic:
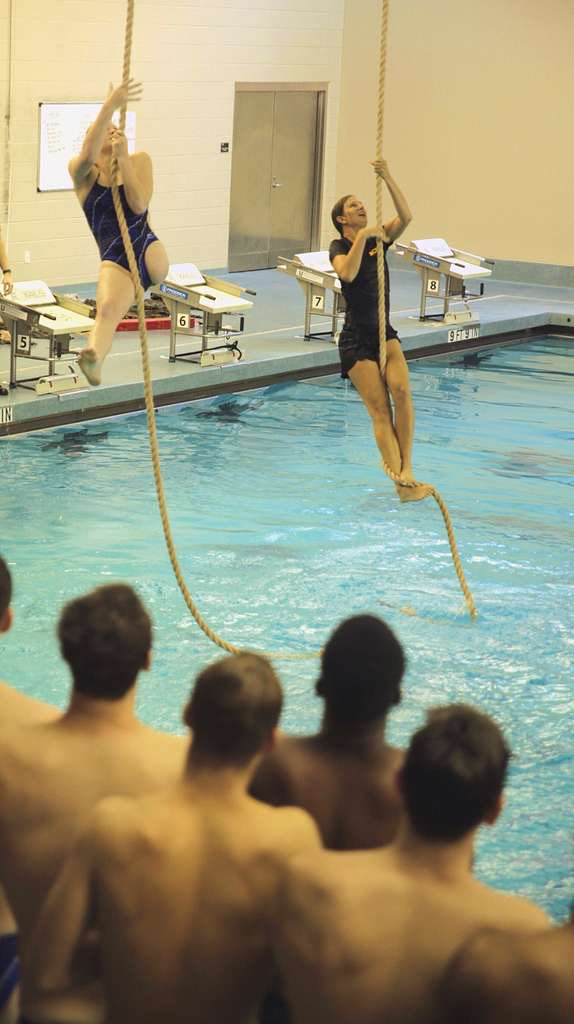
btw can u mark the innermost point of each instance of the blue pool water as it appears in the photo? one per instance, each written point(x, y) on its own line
point(285, 524)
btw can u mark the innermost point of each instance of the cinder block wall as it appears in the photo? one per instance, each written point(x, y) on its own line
point(189, 56)
point(478, 123)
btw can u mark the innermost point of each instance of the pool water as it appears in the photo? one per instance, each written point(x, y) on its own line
point(285, 524)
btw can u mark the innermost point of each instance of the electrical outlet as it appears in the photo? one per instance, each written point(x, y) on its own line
point(27, 256)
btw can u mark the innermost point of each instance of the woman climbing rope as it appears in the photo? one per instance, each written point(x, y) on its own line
point(354, 257)
point(91, 173)
point(148, 388)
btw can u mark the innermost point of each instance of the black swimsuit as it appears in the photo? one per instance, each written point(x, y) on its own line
point(360, 335)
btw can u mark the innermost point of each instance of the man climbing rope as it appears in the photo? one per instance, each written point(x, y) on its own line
point(354, 257)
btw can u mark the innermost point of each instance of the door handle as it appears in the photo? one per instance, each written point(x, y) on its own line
point(276, 184)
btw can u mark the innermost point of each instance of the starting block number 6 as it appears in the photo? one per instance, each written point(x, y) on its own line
point(184, 320)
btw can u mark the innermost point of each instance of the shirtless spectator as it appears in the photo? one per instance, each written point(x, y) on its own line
point(53, 773)
point(181, 886)
point(364, 937)
point(15, 709)
point(495, 979)
point(345, 775)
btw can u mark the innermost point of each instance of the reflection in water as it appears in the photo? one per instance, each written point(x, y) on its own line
point(230, 410)
point(76, 442)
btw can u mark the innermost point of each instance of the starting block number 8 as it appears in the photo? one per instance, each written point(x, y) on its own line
point(433, 285)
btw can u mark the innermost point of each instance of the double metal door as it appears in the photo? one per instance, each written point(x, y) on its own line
point(276, 176)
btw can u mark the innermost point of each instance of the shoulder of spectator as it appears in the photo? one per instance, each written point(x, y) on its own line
point(17, 708)
point(270, 783)
point(176, 745)
point(471, 977)
point(301, 829)
point(112, 819)
point(527, 917)
point(486, 977)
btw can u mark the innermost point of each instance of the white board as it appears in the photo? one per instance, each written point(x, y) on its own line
point(31, 293)
point(185, 274)
point(316, 261)
point(61, 133)
point(434, 247)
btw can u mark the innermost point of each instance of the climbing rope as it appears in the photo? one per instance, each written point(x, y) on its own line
point(383, 312)
point(379, 192)
point(148, 389)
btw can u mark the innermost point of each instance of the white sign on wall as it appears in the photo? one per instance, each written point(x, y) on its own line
point(61, 133)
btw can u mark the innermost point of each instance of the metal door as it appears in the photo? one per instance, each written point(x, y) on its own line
point(276, 176)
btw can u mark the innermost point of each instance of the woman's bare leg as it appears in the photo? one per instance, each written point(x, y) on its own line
point(156, 262)
point(366, 377)
point(114, 297)
point(397, 378)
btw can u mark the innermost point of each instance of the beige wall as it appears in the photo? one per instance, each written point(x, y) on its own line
point(478, 124)
point(478, 120)
point(189, 56)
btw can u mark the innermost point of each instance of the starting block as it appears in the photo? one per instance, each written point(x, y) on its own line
point(445, 273)
point(318, 280)
point(40, 319)
point(198, 305)
point(60, 382)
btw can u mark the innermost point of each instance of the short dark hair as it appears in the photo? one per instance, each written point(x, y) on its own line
point(454, 772)
point(235, 705)
point(338, 211)
point(361, 670)
point(5, 587)
point(105, 637)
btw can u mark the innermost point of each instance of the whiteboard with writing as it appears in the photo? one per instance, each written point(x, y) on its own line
point(62, 130)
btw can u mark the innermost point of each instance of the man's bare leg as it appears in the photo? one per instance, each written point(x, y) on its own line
point(114, 297)
point(366, 377)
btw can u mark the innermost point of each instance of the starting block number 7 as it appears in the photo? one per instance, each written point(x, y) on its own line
point(318, 301)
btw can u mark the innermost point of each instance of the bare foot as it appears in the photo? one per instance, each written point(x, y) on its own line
point(413, 493)
point(4, 337)
point(90, 366)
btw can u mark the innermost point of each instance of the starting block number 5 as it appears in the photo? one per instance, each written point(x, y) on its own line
point(433, 285)
point(184, 320)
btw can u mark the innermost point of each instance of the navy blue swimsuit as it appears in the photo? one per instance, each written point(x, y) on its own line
point(9, 968)
point(101, 216)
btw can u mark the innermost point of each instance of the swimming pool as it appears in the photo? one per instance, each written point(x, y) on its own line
point(285, 524)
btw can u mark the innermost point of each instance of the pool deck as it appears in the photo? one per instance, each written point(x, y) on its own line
point(274, 348)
